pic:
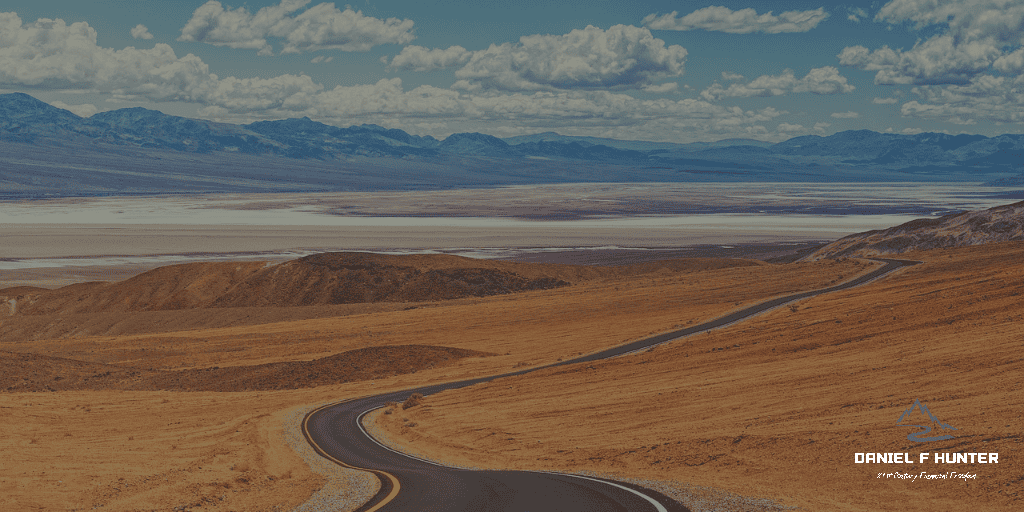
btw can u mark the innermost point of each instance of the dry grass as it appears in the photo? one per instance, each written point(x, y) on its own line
point(777, 406)
point(82, 457)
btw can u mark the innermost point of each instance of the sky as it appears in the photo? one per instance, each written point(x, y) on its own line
point(674, 71)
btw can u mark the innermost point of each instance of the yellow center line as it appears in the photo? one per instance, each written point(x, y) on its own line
point(395, 486)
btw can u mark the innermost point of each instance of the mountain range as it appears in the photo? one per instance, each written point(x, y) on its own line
point(46, 151)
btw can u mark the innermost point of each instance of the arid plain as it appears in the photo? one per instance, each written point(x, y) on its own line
point(173, 389)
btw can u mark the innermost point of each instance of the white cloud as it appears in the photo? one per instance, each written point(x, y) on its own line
point(845, 115)
point(824, 80)
point(83, 110)
point(743, 21)
point(141, 32)
point(856, 14)
point(662, 88)
point(321, 58)
point(973, 37)
point(418, 58)
point(51, 55)
point(820, 127)
point(598, 113)
point(320, 27)
point(622, 57)
point(999, 99)
point(789, 128)
point(732, 77)
point(884, 101)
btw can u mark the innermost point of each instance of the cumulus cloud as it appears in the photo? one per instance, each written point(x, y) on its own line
point(598, 113)
point(622, 57)
point(662, 88)
point(83, 110)
point(973, 37)
point(52, 55)
point(743, 21)
point(789, 128)
point(320, 27)
point(141, 32)
point(884, 101)
point(732, 77)
point(856, 14)
point(824, 80)
point(419, 58)
point(820, 127)
point(986, 97)
point(321, 58)
point(966, 70)
point(845, 115)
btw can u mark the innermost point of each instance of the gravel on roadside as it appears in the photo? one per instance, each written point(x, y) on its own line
point(346, 489)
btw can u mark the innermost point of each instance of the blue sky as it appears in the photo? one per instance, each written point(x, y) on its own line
point(678, 71)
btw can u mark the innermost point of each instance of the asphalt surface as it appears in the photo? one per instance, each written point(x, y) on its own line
point(414, 485)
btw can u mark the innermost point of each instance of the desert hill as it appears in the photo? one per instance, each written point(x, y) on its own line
point(321, 279)
point(34, 372)
point(1000, 224)
point(230, 294)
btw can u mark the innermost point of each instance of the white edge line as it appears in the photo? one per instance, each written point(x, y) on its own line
point(657, 506)
point(359, 422)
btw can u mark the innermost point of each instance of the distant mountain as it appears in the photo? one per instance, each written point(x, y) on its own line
point(999, 224)
point(23, 117)
point(47, 151)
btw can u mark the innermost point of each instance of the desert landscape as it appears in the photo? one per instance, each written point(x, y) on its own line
point(182, 387)
point(645, 256)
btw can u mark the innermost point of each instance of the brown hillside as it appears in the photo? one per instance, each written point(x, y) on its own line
point(32, 372)
point(777, 406)
point(347, 278)
point(999, 224)
point(205, 295)
point(172, 287)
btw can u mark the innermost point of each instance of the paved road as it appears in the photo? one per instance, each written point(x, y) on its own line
point(413, 485)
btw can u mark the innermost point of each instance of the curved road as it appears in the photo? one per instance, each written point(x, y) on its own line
point(416, 485)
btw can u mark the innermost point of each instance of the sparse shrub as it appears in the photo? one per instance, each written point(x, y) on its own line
point(413, 400)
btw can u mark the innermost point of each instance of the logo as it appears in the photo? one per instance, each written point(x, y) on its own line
point(926, 420)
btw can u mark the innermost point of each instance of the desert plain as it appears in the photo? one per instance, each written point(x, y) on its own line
point(181, 388)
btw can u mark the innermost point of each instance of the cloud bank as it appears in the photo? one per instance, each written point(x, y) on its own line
point(743, 21)
point(621, 57)
point(320, 27)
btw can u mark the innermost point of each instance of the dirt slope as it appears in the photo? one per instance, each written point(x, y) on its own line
point(212, 295)
point(172, 287)
point(999, 224)
point(777, 406)
point(33, 372)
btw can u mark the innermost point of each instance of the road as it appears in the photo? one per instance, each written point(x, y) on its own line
point(415, 485)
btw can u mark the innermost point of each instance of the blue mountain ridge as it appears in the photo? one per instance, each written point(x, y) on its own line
point(855, 155)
